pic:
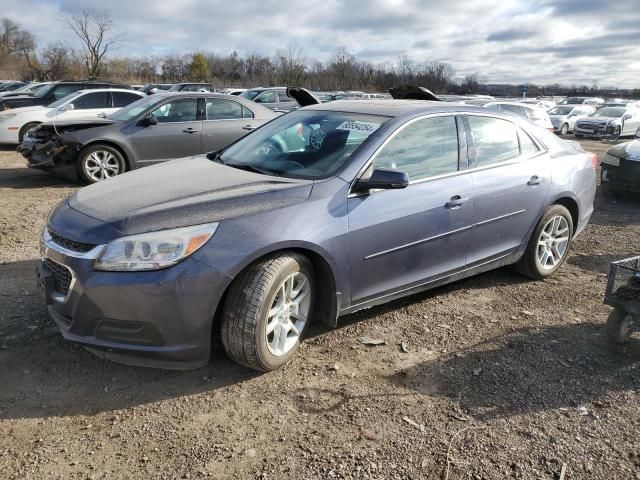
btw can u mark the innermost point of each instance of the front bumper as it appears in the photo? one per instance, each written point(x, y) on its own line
point(158, 319)
point(598, 131)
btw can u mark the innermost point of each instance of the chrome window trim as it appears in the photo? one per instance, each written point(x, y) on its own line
point(519, 159)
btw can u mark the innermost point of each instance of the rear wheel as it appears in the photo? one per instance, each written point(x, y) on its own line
point(548, 247)
point(565, 129)
point(25, 129)
point(267, 311)
point(100, 162)
point(619, 326)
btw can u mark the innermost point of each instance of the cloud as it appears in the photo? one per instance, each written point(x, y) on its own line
point(518, 41)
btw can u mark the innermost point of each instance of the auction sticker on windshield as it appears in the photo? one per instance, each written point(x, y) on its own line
point(358, 126)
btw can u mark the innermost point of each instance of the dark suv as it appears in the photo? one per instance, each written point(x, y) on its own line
point(53, 92)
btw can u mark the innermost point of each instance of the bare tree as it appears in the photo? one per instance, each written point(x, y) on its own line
point(93, 29)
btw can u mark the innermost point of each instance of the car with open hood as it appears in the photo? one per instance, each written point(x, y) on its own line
point(620, 169)
point(321, 212)
point(611, 122)
point(83, 104)
point(154, 129)
point(564, 117)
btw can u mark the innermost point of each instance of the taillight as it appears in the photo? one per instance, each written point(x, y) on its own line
point(594, 159)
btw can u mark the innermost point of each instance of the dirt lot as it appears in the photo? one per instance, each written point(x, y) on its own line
point(502, 378)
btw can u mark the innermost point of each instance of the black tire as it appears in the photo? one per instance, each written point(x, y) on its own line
point(619, 326)
point(528, 263)
point(25, 128)
point(83, 156)
point(564, 129)
point(250, 297)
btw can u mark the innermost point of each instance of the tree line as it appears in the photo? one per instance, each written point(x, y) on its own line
point(21, 58)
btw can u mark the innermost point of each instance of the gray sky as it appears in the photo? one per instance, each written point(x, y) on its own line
point(510, 41)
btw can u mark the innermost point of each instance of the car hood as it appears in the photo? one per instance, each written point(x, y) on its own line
point(20, 110)
point(185, 192)
point(627, 150)
point(86, 122)
point(598, 120)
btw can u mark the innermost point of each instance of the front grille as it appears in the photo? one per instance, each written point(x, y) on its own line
point(70, 244)
point(61, 275)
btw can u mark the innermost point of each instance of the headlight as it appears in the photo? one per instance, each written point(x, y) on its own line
point(155, 250)
point(610, 160)
point(7, 116)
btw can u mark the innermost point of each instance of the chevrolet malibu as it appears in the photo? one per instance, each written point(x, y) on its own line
point(321, 212)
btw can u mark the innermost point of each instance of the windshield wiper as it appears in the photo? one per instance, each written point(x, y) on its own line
point(249, 168)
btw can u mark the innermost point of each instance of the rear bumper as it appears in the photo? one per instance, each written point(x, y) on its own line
point(157, 319)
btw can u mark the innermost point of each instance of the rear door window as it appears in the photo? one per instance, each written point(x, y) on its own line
point(122, 99)
point(62, 91)
point(266, 97)
point(218, 109)
point(495, 140)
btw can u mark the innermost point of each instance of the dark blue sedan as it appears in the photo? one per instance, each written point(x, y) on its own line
point(319, 213)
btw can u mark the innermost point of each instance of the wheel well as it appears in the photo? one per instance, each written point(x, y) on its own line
point(21, 132)
point(326, 304)
point(112, 145)
point(571, 205)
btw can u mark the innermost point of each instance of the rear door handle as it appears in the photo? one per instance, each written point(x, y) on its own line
point(248, 127)
point(190, 130)
point(535, 180)
point(456, 202)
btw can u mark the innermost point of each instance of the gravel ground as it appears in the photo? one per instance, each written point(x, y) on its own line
point(499, 377)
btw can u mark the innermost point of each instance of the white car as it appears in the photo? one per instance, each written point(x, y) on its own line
point(15, 123)
point(536, 114)
point(563, 117)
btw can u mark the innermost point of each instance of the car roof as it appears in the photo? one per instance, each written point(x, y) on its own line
point(127, 90)
point(394, 108)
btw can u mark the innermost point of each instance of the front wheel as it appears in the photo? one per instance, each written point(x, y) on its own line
point(565, 129)
point(619, 326)
point(548, 247)
point(100, 162)
point(267, 311)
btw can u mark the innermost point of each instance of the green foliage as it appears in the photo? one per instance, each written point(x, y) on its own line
point(198, 68)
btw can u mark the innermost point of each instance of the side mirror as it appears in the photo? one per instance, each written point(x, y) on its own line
point(638, 133)
point(148, 120)
point(68, 107)
point(383, 179)
point(627, 116)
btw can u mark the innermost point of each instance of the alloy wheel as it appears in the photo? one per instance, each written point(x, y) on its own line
point(100, 165)
point(553, 243)
point(288, 314)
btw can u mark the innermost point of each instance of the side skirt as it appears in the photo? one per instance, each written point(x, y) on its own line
point(502, 260)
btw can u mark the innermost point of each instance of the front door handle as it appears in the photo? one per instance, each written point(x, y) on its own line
point(190, 130)
point(455, 202)
point(535, 180)
point(248, 127)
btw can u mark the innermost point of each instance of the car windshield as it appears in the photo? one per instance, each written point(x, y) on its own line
point(612, 112)
point(250, 94)
point(304, 144)
point(134, 109)
point(572, 101)
point(560, 111)
point(43, 92)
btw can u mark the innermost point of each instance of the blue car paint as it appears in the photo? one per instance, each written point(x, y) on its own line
point(377, 246)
